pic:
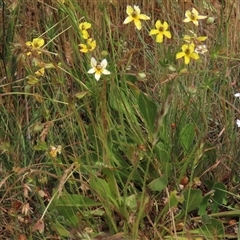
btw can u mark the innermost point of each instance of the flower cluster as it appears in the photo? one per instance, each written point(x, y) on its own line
point(90, 44)
point(35, 46)
point(191, 48)
point(193, 44)
point(97, 68)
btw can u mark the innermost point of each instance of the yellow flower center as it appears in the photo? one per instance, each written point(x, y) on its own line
point(134, 14)
point(193, 17)
point(187, 52)
point(161, 29)
point(35, 45)
point(99, 67)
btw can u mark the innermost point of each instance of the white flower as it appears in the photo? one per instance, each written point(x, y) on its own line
point(238, 122)
point(98, 68)
point(237, 95)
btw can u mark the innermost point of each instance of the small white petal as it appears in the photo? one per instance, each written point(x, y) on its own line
point(105, 71)
point(237, 95)
point(238, 122)
point(93, 62)
point(97, 76)
point(92, 70)
point(104, 63)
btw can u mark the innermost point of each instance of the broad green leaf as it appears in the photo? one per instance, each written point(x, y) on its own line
point(148, 110)
point(61, 230)
point(131, 202)
point(218, 196)
point(101, 187)
point(214, 229)
point(68, 204)
point(193, 199)
point(75, 200)
point(174, 199)
point(158, 184)
point(161, 152)
point(186, 136)
point(204, 204)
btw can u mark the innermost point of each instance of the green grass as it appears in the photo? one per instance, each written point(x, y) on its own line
point(147, 152)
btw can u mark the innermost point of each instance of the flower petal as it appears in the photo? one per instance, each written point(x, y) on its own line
point(153, 32)
point(106, 72)
point(194, 12)
point(237, 95)
point(158, 24)
point(29, 43)
point(201, 17)
point(104, 63)
point(143, 17)
point(128, 20)
point(137, 9)
point(185, 47)
point(165, 25)
point(195, 22)
point(188, 14)
point(92, 70)
point(238, 122)
point(194, 56)
point(180, 55)
point(97, 76)
point(129, 10)
point(138, 23)
point(201, 38)
point(187, 20)
point(159, 38)
point(186, 59)
point(39, 41)
point(93, 62)
point(167, 34)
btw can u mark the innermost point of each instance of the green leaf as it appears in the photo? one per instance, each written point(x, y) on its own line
point(204, 204)
point(101, 187)
point(68, 204)
point(174, 199)
point(148, 110)
point(75, 200)
point(186, 136)
point(161, 152)
point(61, 230)
point(218, 196)
point(41, 146)
point(193, 199)
point(158, 184)
point(214, 229)
point(131, 202)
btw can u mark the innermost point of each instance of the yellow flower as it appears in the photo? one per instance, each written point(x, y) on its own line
point(35, 44)
point(98, 68)
point(161, 30)
point(194, 38)
point(134, 14)
point(53, 151)
point(83, 28)
point(40, 72)
point(187, 53)
point(193, 16)
point(88, 47)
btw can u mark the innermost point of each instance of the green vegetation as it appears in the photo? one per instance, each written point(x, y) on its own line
point(119, 125)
